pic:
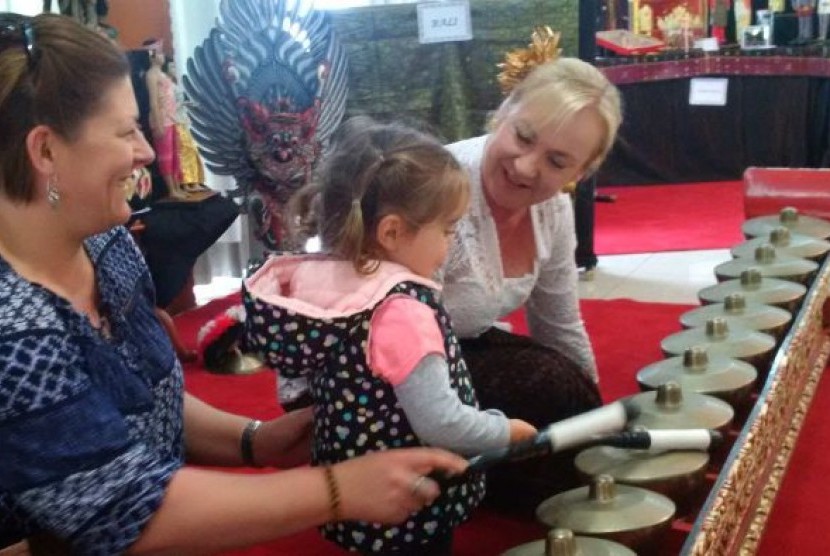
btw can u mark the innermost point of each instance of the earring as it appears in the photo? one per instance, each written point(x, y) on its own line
point(53, 196)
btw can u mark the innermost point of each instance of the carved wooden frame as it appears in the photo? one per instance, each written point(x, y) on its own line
point(733, 516)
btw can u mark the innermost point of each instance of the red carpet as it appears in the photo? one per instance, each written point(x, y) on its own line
point(677, 217)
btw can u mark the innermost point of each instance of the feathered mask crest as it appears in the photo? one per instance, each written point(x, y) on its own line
point(544, 47)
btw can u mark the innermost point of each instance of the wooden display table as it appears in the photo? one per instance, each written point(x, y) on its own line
point(775, 116)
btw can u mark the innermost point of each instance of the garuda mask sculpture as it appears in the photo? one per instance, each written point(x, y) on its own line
point(268, 87)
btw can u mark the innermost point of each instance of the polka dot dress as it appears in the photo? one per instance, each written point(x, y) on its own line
point(356, 413)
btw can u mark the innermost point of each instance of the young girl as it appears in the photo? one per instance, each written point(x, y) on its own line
point(364, 325)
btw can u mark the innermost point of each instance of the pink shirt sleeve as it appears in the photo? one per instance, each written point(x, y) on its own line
point(402, 332)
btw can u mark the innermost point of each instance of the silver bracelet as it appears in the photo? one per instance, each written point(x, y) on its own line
point(246, 442)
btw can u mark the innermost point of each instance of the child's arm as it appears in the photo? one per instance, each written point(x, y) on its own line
point(440, 419)
point(406, 348)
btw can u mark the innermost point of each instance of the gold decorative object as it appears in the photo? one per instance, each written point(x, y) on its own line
point(562, 542)
point(787, 242)
point(670, 407)
point(632, 516)
point(544, 47)
point(737, 311)
point(238, 363)
point(789, 217)
point(723, 377)
point(771, 263)
point(756, 348)
point(757, 288)
point(679, 474)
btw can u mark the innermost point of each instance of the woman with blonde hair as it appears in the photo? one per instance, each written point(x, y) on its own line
point(515, 248)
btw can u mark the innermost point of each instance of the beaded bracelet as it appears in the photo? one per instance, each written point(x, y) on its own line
point(246, 442)
point(334, 492)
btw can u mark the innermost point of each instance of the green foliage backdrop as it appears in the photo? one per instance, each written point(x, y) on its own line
point(452, 86)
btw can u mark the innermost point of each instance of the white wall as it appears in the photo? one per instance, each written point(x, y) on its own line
point(25, 7)
point(191, 24)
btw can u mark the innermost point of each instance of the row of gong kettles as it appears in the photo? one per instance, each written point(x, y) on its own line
point(691, 405)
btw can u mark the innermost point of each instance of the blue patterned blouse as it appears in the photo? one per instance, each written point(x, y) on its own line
point(90, 427)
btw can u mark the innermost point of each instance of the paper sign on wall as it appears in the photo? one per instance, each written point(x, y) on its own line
point(708, 91)
point(444, 22)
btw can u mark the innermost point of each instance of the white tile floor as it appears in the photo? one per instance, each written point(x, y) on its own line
point(669, 277)
point(219, 287)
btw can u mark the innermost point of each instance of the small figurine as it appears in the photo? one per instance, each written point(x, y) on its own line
point(645, 18)
point(163, 109)
point(192, 180)
point(743, 16)
point(719, 10)
point(823, 18)
point(804, 10)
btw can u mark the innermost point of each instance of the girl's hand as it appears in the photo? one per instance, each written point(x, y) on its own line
point(521, 430)
point(285, 441)
point(389, 486)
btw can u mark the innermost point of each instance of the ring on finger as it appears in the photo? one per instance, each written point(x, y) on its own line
point(417, 484)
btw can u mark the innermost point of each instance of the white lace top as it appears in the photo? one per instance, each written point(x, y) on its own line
point(477, 294)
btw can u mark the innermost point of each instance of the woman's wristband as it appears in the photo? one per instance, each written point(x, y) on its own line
point(246, 442)
point(334, 492)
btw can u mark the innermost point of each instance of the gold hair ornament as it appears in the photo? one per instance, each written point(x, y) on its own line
point(518, 63)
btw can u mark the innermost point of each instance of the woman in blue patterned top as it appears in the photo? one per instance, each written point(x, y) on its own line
point(94, 424)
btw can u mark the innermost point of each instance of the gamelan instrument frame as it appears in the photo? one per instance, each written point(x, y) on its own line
point(732, 519)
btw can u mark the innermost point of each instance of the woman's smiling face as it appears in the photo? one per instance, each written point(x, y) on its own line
point(525, 163)
point(92, 170)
